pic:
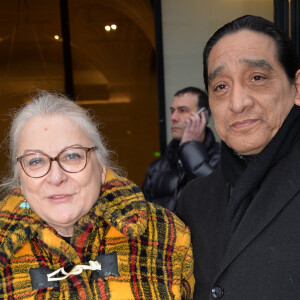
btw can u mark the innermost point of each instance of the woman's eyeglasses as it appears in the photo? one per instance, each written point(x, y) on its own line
point(71, 160)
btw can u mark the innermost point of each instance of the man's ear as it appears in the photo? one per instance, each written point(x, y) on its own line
point(297, 86)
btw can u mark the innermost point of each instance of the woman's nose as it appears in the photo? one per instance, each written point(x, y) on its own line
point(56, 174)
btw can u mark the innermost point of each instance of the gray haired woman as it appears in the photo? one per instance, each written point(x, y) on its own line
point(71, 228)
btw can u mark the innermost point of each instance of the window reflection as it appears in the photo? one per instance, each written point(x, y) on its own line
point(113, 71)
point(30, 57)
point(114, 74)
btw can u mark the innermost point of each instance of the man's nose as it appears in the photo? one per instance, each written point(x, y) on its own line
point(240, 98)
point(174, 116)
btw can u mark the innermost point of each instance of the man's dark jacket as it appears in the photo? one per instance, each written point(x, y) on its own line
point(166, 176)
point(248, 249)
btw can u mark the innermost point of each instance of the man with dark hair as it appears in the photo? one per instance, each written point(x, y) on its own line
point(193, 151)
point(244, 217)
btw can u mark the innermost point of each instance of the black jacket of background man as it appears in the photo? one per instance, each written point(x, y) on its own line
point(245, 222)
point(166, 176)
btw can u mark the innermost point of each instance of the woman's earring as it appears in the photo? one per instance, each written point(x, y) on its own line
point(25, 204)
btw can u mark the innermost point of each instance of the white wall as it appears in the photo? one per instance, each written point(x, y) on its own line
point(187, 25)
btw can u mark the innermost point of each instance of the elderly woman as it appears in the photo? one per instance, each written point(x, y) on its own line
point(70, 228)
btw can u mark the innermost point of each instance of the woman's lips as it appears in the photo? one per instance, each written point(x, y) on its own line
point(59, 197)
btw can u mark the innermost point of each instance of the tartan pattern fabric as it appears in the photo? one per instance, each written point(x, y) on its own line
point(153, 247)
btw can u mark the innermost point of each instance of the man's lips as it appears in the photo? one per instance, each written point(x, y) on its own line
point(244, 124)
point(177, 127)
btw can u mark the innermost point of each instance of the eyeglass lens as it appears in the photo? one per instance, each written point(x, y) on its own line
point(71, 160)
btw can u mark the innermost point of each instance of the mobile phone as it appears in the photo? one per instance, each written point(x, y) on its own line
point(203, 109)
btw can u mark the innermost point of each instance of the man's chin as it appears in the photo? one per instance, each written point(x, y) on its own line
point(176, 137)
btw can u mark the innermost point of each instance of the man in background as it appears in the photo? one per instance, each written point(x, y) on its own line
point(192, 152)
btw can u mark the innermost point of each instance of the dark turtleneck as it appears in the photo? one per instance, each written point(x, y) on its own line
point(245, 173)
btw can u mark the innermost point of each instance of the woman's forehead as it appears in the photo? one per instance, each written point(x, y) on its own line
point(51, 134)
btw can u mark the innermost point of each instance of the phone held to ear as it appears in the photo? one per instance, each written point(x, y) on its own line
point(203, 109)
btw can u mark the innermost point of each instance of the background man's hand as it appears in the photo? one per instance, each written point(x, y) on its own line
point(194, 128)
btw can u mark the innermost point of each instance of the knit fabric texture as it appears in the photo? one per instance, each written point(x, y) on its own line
point(152, 246)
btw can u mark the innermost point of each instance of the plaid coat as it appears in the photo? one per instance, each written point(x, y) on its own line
point(144, 249)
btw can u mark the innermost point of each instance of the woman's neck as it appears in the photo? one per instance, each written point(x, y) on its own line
point(64, 231)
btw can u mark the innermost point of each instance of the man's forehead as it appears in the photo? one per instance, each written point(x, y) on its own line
point(185, 102)
point(245, 46)
point(186, 98)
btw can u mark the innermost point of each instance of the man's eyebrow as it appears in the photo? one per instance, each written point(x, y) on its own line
point(211, 76)
point(259, 63)
point(179, 107)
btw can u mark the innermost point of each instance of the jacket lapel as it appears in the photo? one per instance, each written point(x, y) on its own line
point(268, 202)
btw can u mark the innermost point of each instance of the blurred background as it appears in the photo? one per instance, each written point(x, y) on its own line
point(123, 59)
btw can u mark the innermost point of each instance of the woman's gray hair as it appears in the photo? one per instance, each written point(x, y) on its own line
point(48, 104)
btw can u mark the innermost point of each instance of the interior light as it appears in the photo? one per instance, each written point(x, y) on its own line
point(107, 28)
point(56, 37)
point(113, 26)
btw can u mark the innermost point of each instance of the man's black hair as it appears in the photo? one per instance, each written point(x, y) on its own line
point(286, 52)
point(202, 96)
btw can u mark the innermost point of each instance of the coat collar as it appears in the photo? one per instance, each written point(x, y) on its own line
point(266, 205)
point(121, 205)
